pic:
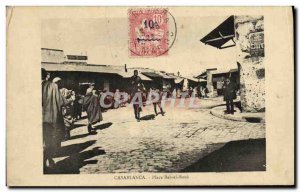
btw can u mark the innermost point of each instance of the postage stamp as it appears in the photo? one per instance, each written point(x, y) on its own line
point(150, 33)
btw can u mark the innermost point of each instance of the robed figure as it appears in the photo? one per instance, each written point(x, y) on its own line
point(91, 104)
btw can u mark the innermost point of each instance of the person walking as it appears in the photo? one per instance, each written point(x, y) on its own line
point(158, 102)
point(229, 96)
point(91, 104)
point(137, 88)
point(77, 105)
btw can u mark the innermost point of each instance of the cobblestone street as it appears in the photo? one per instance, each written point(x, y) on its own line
point(164, 144)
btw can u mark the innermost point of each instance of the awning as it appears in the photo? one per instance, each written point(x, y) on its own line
point(151, 74)
point(129, 74)
point(82, 68)
point(192, 79)
point(144, 78)
point(165, 76)
point(221, 35)
point(108, 69)
point(178, 80)
point(203, 75)
point(233, 70)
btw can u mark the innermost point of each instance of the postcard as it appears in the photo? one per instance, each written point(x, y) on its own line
point(150, 96)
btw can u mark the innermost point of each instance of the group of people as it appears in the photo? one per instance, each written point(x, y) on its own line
point(60, 108)
point(201, 92)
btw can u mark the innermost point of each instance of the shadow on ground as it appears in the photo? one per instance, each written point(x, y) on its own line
point(73, 149)
point(253, 119)
point(76, 159)
point(243, 155)
point(148, 117)
point(77, 125)
point(98, 127)
point(82, 135)
point(103, 126)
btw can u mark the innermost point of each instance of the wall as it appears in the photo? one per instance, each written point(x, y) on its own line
point(209, 85)
point(52, 56)
point(249, 32)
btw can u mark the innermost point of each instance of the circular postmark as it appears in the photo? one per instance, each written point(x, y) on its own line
point(152, 32)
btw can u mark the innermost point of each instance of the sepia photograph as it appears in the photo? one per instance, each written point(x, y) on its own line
point(109, 107)
point(150, 96)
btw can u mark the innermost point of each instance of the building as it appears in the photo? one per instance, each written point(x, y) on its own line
point(202, 79)
point(192, 82)
point(209, 85)
point(104, 77)
point(246, 35)
point(218, 78)
point(214, 79)
point(178, 81)
point(77, 75)
point(76, 59)
point(160, 79)
point(54, 56)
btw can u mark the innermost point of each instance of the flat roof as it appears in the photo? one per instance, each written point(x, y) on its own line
point(109, 69)
point(52, 49)
point(224, 71)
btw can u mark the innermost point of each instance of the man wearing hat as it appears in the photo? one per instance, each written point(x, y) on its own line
point(229, 96)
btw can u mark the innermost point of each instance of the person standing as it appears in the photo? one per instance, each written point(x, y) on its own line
point(229, 96)
point(77, 105)
point(68, 111)
point(199, 94)
point(205, 90)
point(66, 108)
point(158, 102)
point(53, 121)
point(136, 85)
point(91, 104)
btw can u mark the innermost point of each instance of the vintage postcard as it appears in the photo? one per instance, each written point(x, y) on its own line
point(150, 96)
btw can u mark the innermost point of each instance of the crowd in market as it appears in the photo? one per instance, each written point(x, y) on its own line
point(62, 107)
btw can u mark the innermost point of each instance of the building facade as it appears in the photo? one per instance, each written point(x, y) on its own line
point(249, 37)
point(54, 56)
point(246, 35)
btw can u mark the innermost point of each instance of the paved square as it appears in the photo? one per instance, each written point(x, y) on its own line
point(164, 144)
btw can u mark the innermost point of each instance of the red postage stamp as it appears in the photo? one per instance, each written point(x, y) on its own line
point(148, 32)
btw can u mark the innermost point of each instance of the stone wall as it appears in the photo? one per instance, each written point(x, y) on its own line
point(249, 32)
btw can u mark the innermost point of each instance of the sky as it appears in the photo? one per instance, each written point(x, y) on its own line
point(105, 41)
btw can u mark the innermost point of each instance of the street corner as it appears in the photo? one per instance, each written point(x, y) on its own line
point(220, 111)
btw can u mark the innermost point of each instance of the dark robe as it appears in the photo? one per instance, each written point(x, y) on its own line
point(229, 92)
point(91, 104)
point(77, 107)
point(53, 122)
